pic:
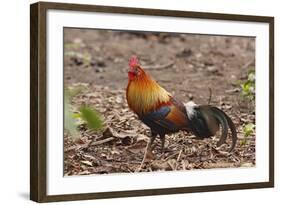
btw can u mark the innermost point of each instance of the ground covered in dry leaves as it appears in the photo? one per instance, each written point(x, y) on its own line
point(187, 67)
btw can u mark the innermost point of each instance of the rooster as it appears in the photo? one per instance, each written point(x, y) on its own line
point(163, 114)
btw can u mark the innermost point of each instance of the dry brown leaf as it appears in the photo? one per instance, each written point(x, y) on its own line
point(88, 163)
point(247, 164)
point(126, 132)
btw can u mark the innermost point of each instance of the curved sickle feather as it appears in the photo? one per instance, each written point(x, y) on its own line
point(225, 122)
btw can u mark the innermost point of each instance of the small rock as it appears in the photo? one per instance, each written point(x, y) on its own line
point(98, 63)
point(77, 61)
point(77, 40)
point(190, 96)
point(212, 69)
point(207, 63)
point(117, 60)
point(101, 64)
point(185, 53)
point(99, 70)
point(198, 55)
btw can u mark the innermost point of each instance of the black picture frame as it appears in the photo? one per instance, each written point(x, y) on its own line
point(38, 102)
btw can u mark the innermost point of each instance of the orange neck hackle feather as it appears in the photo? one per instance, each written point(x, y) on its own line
point(145, 95)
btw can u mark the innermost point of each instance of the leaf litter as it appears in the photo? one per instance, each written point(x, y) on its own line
point(121, 144)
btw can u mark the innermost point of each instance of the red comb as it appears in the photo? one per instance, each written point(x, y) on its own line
point(133, 61)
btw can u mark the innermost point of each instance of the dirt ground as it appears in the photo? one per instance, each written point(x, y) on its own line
point(191, 67)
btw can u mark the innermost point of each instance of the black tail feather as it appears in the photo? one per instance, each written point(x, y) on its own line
point(206, 122)
point(220, 116)
point(233, 133)
point(227, 123)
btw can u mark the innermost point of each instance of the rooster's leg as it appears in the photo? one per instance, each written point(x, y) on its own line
point(152, 138)
point(162, 138)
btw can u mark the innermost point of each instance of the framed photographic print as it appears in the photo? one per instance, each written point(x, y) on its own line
point(134, 102)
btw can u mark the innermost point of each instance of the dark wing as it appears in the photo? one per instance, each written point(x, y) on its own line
point(165, 119)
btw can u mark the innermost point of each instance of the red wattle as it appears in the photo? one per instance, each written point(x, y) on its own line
point(131, 75)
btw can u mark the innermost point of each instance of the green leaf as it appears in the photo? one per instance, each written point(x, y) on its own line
point(248, 87)
point(69, 121)
point(251, 77)
point(91, 117)
point(243, 142)
point(76, 115)
point(248, 129)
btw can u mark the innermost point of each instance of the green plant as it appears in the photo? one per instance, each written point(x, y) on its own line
point(91, 117)
point(248, 87)
point(86, 114)
point(248, 130)
point(69, 122)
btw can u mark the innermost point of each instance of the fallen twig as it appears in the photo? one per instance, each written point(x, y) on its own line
point(70, 148)
point(101, 141)
point(210, 96)
point(171, 165)
point(247, 64)
point(178, 158)
point(235, 90)
point(171, 156)
point(159, 67)
point(144, 157)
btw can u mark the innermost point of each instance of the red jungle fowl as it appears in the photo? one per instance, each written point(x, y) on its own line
point(163, 114)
